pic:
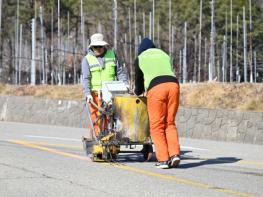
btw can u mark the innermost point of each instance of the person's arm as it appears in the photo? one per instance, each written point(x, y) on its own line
point(139, 79)
point(86, 76)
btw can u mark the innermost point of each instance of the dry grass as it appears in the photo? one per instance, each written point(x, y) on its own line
point(247, 97)
point(224, 96)
point(45, 91)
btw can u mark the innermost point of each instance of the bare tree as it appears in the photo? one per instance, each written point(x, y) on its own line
point(52, 47)
point(143, 19)
point(153, 20)
point(250, 43)
point(150, 25)
point(33, 63)
point(170, 26)
point(125, 48)
point(180, 66)
point(185, 54)
point(130, 48)
point(115, 23)
point(231, 37)
point(224, 49)
point(237, 52)
point(173, 45)
point(0, 36)
point(212, 45)
point(200, 41)
point(17, 41)
point(42, 47)
point(20, 54)
point(82, 26)
point(135, 29)
point(195, 49)
point(158, 33)
point(205, 63)
point(245, 44)
point(58, 47)
point(255, 66)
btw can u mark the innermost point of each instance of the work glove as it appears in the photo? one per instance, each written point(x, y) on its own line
point(89, 98)
point(128, 87)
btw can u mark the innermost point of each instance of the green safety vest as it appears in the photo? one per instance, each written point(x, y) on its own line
point(101, 73)
point(153, 63)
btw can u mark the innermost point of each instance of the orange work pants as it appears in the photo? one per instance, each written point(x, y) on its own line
point(162, 105)
point(101, 123)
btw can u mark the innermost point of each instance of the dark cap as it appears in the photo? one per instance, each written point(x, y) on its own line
point(146, 43)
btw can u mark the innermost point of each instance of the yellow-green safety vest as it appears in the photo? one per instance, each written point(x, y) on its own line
point(153, 63)
point(101, 73)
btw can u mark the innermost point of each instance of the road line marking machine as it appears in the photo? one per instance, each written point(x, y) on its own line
point(123, 120)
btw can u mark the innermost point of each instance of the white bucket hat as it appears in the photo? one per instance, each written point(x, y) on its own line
point(97, 40)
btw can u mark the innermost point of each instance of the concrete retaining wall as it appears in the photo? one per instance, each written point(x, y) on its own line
point(222, 125)
point(44, 111)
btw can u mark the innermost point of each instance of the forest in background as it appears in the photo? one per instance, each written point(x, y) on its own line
point(63, 28)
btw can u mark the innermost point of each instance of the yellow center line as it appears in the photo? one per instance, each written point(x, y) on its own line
point(139, 171)
point(24, 143)
point(55, 145)
point(242, 162)
point(251, 163)
point(183, 181)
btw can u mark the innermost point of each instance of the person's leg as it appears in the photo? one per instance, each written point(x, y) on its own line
point(156, 106)
point(94, 112)
point(171, 130)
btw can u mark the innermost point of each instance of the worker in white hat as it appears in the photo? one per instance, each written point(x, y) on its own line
point(99, 65)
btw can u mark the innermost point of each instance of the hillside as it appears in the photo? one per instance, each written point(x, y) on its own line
point(245, 97)
point(63, 31)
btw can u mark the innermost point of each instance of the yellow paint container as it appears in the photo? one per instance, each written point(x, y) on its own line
point(132, 118)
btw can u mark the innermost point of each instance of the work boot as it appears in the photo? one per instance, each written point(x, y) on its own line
point(162, 164)
point(174, 161)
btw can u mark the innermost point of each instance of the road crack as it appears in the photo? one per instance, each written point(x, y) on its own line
point(45, 176)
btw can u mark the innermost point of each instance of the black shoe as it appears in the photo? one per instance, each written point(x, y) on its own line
point(174, 161)
point(162, 164)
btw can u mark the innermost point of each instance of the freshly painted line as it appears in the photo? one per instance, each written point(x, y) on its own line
point(53, 138)
point(251, 163)
point(56, 145)
point(184, 181)
point(192, 148)
point(140, 171)
point(242, 162)
point(24, 143)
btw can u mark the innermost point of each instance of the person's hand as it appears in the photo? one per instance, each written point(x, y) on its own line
point(89, 98)
point(127, 87)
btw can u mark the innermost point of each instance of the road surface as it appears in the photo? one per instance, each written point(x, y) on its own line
point(40, 160)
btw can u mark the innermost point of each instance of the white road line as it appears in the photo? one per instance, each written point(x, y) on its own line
point(54, 138)
point(192, 148)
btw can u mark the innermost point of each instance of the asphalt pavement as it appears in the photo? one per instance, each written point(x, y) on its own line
point(41, 160)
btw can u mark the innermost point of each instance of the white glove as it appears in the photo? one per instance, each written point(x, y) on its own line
point(127, 86)
point(89, 98)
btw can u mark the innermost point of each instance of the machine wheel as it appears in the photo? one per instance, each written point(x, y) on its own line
point(147, 152)
point(88, 145)
point(111, 157)
point(97, 158)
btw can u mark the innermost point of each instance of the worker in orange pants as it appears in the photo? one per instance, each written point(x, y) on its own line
point(163, 102)
point(153, 73)
point(99, 125)
point(98, 66)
